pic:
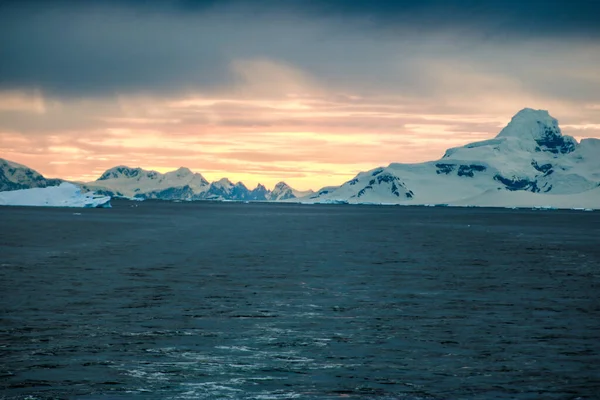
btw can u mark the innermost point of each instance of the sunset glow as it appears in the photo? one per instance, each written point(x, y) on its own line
point(266, 116)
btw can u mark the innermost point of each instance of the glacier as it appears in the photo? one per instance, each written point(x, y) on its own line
point(64, 195)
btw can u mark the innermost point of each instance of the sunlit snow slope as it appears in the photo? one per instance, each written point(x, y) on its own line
point(529, 163)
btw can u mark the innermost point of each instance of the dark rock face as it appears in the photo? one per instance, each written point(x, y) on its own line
point(119, 171)
point(287, 196)
point(320, 193)
point(215, 193)
point(127, 172)
point(444, 168)
point(240, 192)
point(544, 168)
point(362, 191)
point(104, 192)
point(259, 193)
point(463, 170)
point(553, 141)
point(518, 184)
point(33, 180)
point(469, 170)
point(386, 178)
point(173, 193)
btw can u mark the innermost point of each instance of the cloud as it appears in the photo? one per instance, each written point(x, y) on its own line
point(22, 101)
point(83, 49)
point(311, 91)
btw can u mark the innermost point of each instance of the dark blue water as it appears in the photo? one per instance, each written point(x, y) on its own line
point(258, 301)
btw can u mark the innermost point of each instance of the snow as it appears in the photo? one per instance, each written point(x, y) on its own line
point(529, 163)
point(64, 195)
point(183, 184)
point(129, 182)
point(221, 189)
point(12, 164)
point(528, 123)
point(282, 191)
point(588, 200)
point(14, 176)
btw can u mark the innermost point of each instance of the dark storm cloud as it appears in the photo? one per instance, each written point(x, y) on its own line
point(494, 18)
point(91, 48)
point(102, 47)
point(502, 17)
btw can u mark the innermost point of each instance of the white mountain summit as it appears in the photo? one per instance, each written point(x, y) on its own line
point(283, 191)
point(124, 181)
point(529, 163)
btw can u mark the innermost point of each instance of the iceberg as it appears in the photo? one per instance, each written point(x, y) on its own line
point(64, 195)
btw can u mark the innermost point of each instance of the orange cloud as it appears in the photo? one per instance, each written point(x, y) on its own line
point(23, 101)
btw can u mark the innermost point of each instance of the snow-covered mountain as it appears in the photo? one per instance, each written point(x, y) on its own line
point(282, 191)
point(138, 183)
point(15, 176)
point(529, 155)
point(64, 195)
point(529, 163)
point(182, 184)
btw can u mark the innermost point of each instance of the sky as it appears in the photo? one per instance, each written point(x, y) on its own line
point(305, 91)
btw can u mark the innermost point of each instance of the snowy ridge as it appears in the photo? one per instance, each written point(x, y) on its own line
point(15, 176)
point(123, 181)
point(282, 191)
point(140, 184)
point(182, 184)
point(64, 195)
point(530, 162)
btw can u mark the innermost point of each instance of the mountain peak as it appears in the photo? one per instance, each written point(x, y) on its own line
point(179, 172)
point(15, 176)
point(223, 182)
point(281, 185)
point(530, 123)
point(539, 126)
point(183, 171)
point(11, 164)
point(119, 171)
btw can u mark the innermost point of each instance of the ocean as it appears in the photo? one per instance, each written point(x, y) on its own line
point(202, 300)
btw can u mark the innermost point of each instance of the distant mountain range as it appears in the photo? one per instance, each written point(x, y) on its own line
point(141, 184)
point(529, 163)
point(183, 184)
